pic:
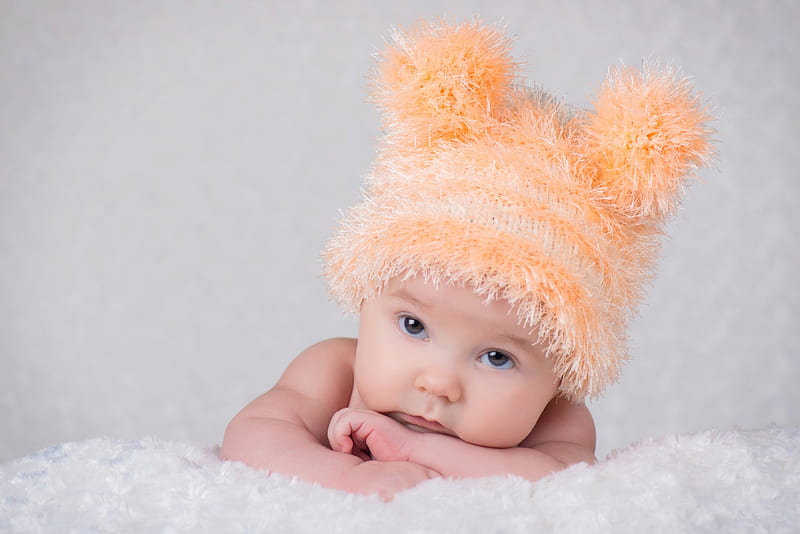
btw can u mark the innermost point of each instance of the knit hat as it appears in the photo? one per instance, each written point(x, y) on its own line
point(482, 181)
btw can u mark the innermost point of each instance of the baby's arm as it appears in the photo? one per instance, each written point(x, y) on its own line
point(563, 436)
point(285, 429)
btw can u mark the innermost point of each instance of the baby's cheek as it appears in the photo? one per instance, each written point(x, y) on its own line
point(379, 385)
point(371, 396)
point(501, 429)
point(518, 430)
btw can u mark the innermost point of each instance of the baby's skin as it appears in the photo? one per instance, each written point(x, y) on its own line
point(441, 382)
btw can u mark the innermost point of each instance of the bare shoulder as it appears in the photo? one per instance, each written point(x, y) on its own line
point(322, 369)
point(326, 355)
point(567, 426)
point(316, 383)
point(297, 410)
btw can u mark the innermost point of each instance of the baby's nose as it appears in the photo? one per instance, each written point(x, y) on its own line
point(439, 382)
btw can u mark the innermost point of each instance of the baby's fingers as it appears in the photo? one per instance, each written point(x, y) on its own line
point(342, 444)
point(339, 434)
point(343, 436)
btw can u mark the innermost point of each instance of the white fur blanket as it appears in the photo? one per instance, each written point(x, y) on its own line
point(714, 481)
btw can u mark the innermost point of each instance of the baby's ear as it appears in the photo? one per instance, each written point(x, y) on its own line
point(647, 134)
point(439, 81)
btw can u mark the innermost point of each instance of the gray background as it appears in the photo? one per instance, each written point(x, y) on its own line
point(169, 172)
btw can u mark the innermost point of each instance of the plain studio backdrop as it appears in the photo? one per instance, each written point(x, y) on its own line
point(170, 171)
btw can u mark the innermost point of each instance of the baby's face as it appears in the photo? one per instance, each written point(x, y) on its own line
point(444, 360)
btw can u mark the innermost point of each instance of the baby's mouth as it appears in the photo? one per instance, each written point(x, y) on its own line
point(419, 424)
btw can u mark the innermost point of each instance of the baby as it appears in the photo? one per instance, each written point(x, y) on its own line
point(501, 247)
point(439, 383)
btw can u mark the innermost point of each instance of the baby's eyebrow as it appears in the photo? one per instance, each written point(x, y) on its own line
point(521, 342)
point(404, 294)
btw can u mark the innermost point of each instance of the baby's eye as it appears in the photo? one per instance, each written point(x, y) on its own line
point(413, 327)
point(497, 360)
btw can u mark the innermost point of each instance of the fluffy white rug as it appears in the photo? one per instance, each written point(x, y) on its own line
point(714, 481)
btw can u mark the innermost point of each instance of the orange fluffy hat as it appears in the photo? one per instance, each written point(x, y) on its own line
point(482, 181)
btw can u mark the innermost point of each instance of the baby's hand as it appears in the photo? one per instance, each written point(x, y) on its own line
point(385, 479)
point(370, 436)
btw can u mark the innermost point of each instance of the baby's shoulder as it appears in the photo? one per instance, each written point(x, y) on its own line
point(322, 371)
point(339, 348)
point(338, 352)
point(563, 421)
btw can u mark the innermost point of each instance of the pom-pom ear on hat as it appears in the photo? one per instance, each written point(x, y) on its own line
point(438, 81)
point(645, 135)
point(487, 183)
